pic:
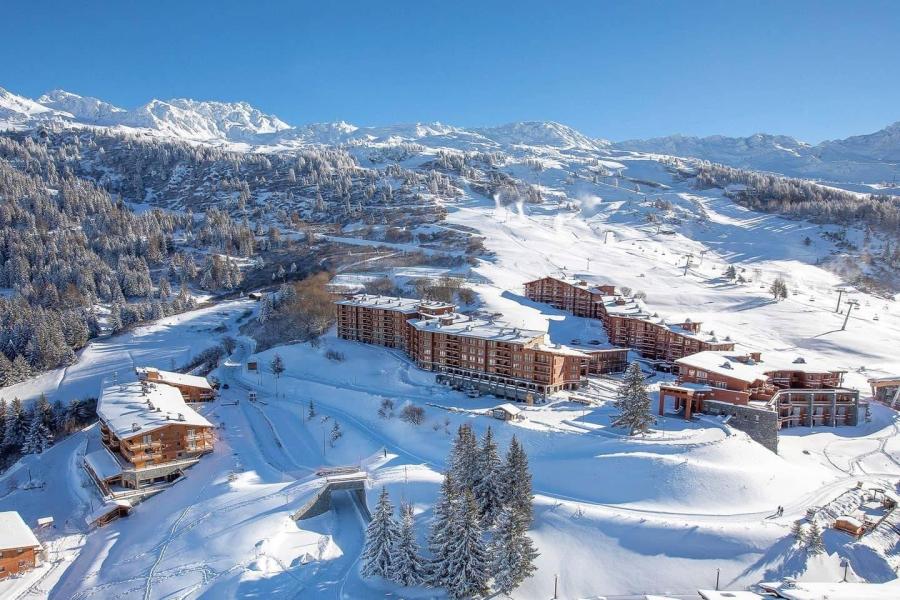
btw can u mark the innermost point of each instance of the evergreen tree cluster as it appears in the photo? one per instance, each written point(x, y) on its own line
point(32, 430)
point(803, 198)
point(478, 538)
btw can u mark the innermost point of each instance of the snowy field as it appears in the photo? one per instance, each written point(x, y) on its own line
point(613, 516)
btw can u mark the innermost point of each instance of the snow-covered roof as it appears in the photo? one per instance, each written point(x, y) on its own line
point(106, 508)
point(808, 590)
point(895, 379)
point(403, 305)
point(14, 533)
point(136, 408)
point(797, 364)
point(851, 521)
point(729, 595)
point(725, 364)
point(174, 378)
point(103, 463)
point(475, 328)
point(509, 408)
point(686, 387)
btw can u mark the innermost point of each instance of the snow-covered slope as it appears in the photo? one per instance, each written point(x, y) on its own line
point(18, 111)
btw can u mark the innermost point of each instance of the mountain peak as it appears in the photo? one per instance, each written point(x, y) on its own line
point(82, 108)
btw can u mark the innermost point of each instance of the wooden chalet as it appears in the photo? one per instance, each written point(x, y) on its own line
point(886, 390)
point(150, 435)
point(20, 549)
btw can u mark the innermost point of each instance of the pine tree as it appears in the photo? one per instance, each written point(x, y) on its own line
point(311, 412)
point(467, 561)
point(408, 567)
point(731, 272)
point(37, 437)
point(464, 458)
point(277, 366)
point(513, 553)
point(382, 536)
point(115, 318)
point(797, 531)
point(516, 490)
point(633, 402)
point(487, 488)
point(442, 535)
point(14, 427)
point(813, 539)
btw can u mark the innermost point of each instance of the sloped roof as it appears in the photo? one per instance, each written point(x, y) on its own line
point(176, 378)
point(14, 533)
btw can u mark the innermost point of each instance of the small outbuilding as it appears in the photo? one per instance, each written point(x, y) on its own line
point(507, 412)
point(850, 525)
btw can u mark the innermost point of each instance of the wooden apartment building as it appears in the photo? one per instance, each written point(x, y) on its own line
point(626, 321)
point(20, 550)
point(149, 434)
point(800, 394)
point(192, 387)
point(508, 361)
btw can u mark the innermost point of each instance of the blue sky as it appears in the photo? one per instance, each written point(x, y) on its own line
point(815, 70)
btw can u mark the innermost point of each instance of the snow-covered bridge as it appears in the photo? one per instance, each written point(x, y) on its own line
point(336, 479)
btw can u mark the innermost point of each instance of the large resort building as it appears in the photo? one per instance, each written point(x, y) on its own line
point(149, 437)
point(798, 394)
point(472, 353)
point(627, 323)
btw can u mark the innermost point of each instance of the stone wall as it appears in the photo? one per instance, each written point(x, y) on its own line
point(759, 423)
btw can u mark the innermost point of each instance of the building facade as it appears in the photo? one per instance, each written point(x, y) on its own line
point(150, 435)
point(192, 387)
point(799, 394)
point(628, 324)
point(471, 353)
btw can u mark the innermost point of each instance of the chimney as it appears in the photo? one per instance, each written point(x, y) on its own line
point(181, 416)
point(135, 427)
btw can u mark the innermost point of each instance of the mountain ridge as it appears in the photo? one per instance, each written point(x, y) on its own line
point(870, 157)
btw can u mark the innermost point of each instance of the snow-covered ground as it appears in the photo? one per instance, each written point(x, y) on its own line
point(613, 515)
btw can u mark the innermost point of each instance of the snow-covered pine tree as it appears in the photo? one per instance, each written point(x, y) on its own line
point(464, 458)
point(37, 437)
point(335, 434)
point(512, 552)
point(468, 564)
point(382, 536)
point(516, 488)
point(813, 539)
point(487, 488)
point(633, 402)
point(408, 566)
point(442, 535)
point(14, 427)
point(797, 532)
point(311, 410)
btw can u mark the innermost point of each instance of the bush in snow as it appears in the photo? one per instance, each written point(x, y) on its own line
point(413, 414)
point(778, 289)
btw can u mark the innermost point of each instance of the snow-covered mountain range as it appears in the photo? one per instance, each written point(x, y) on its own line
point(872, 158)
